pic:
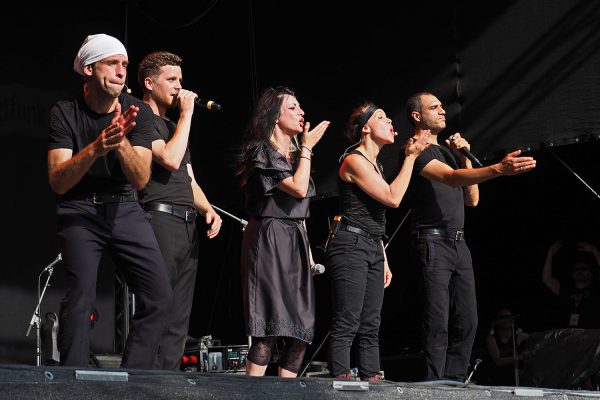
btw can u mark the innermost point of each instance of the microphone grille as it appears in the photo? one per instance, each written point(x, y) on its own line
point(319, 268)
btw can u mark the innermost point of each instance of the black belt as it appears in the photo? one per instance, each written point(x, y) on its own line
point(292, 221)
point(102, 198)
point(448, 234)
point(186, 214)
point(358, 231)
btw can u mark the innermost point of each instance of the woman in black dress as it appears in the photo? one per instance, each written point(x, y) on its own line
point(276, 257)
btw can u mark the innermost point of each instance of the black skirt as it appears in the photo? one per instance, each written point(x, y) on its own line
point(279, 295)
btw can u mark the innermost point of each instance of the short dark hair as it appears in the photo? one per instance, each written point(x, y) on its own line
point(151, 64)
point(414, 104)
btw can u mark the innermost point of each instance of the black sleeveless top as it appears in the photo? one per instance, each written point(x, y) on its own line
point(358, 208)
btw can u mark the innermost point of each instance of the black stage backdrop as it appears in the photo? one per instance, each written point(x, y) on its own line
point(512, 75)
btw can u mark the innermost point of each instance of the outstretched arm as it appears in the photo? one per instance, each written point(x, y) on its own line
point(510, 165)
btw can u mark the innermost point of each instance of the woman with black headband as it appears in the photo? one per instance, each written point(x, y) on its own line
point(355, 253)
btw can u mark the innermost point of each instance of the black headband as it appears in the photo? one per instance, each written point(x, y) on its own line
point(362, 120)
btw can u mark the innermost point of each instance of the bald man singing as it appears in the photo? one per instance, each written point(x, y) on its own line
point(99, 156)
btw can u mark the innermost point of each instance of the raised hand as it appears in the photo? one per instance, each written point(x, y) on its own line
point(416, 144)
point(112, 136)
point(126, 119)
point(312, 137)
point(457, 142)
point(554, 248)
point(185, 101)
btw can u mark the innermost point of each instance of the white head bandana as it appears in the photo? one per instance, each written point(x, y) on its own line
point(95, 48)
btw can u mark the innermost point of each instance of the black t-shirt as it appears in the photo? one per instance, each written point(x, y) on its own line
point(579, 307)
point(168, 186)
point(360, 209)
point(73, 125)
point(434, 204)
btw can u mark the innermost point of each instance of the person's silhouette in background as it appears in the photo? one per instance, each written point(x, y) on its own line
point(500, 348)
point(579, 298)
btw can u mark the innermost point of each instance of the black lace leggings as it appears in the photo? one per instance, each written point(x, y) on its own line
point(290, 357)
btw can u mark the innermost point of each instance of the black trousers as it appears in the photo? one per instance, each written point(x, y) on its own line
point(85, 231)
point(178, 241)
point(449, 305)
point(356, 264)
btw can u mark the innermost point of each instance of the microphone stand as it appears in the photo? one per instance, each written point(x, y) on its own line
point(240, 220)
point(244, 223)
point(35, 318)
point(397, 228)
point(477, 362)
point(315, 353)
point(574, 173)
point(515, 357)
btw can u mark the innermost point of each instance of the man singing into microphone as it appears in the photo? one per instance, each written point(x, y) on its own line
point(443, 182)
point(172, 196)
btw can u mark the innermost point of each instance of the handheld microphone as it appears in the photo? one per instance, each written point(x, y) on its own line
point(208, 104)
point(53, 263)
point(468, 154)
point(317, 269)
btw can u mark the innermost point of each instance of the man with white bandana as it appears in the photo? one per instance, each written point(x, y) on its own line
point(99, 156)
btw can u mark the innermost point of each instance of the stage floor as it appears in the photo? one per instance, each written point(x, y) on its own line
point(28, 382)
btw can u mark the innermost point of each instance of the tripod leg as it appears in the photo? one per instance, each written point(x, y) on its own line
point(95, 361)
point(315, 354)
